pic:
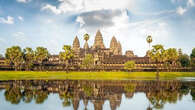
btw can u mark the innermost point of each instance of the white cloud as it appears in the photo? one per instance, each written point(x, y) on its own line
point(52, 9)
point(9, 20)
point(65, 6)
point(86, 5)
point(181, 10)
point(23, 1)
point(20, 18)
point(80, 20)
point(132, 35)
point(190, 3)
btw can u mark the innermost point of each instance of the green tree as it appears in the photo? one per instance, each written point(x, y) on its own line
point(192, 56)
point(66, 56)
point(193, 94)
point(14, 55)
point(86, 37)
point(171, 57)
point(88, 61)
point(41, 96)
point(149, 40)
point(184, 59)
point(41, 54)
point(157, 55)
point(129, 65)
point(13, 95)
point(29, 56)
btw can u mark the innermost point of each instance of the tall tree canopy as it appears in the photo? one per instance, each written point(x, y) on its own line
point(184, 59)
point(66, 55)
point(29, 57)
point(171, 55)
point(41, 54)
point(193, 53)
point(192, 56)
point(157, 53)
point(14, 55)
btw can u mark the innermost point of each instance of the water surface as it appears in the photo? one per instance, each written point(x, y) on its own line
point(97, 94)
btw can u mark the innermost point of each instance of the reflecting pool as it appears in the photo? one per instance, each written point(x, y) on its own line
point(97, 95)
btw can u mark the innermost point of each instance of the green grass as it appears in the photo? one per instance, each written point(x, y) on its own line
point(28, 75)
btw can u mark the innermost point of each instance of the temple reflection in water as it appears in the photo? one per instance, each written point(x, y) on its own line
point(72, 92)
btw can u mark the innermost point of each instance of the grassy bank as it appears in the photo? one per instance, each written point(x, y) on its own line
point(27, 75)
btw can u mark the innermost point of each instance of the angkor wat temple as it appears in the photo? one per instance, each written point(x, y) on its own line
point(111, 58)
point(104, 58)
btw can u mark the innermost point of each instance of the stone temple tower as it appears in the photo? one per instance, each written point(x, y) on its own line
point(113, 44)
point(98, 43)
point(115, 47)
point(119, 49)
point(76, 45)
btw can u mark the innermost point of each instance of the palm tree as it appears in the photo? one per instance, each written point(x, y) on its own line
point(157, 55)
point(14, 56)
point(86, 37)
point(41, 54)
point(66, 56)
point(29, 56)
point(149, 40)
point(171, 56)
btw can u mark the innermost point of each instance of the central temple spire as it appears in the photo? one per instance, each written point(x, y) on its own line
point(98, 43)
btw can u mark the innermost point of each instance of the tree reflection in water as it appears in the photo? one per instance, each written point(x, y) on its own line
point(71, 92)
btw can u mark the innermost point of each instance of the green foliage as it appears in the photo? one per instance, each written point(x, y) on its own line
point(67, 54)
point(14, 55)
point(13, 95)
point(86, 37)
point(192, 56)
point(193, 53)
point(88, 90)
point(28, 96)
point(184, 59)
point(193, 94)
point(41, 96)
point(88, 61)
point(29, 57)
point(149, 39)
point(129, 88)
point(66, 97)
point(41, 54)
point(171, 55)
point(129, 65)
point(157, 54)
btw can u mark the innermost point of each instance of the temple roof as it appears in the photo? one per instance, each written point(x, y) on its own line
point(98, 33)
point(113, 43)
point(98, 43)
point(76, 42)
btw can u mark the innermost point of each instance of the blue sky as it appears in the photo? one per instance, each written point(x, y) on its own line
point(53, 23)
